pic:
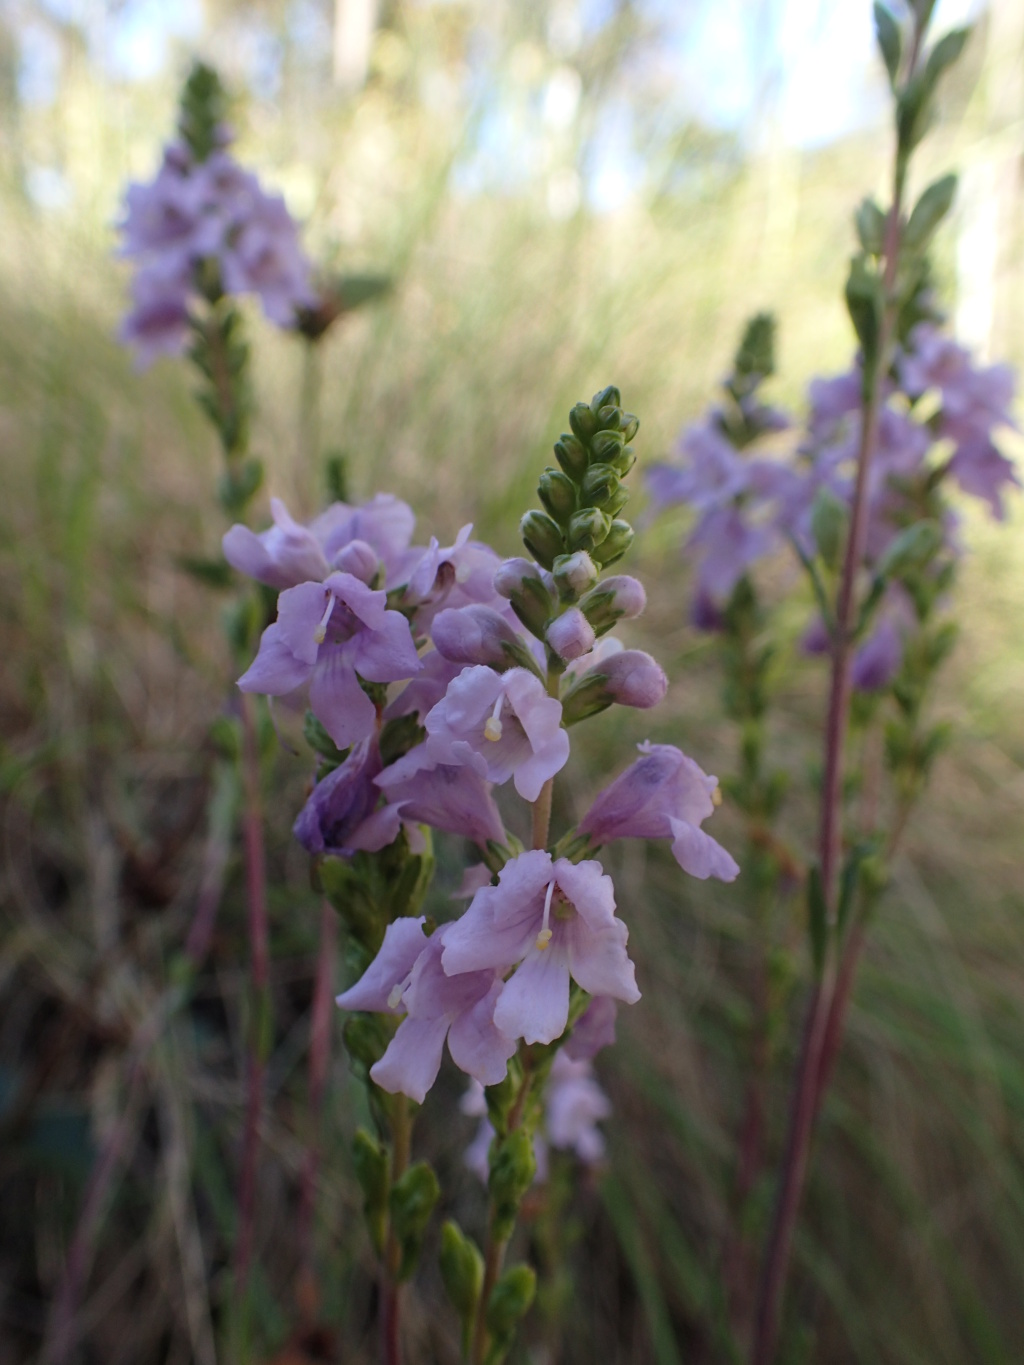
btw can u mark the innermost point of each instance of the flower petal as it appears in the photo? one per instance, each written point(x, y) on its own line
point(700, 855)
point(599, 962)
point(413, 1059)
point(534, 1003)
point(338, 702)
point(275, 669)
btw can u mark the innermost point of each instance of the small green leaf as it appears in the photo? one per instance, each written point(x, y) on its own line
point(929, 212)
point(412, 1201)
point(870, 221)
point(945, 52)
point(865, 303)
point(370, 1162)
point(890, 40)
point(462, 1269)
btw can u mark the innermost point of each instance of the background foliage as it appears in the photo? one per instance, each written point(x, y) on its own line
point(526, 274)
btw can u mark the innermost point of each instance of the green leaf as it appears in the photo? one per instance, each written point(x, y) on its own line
point(870, 221)
point(412, 1201)
point(319, 740)
point(509, 1302)
point(942, 56)
point(929, 212)
point(911, 549)
point(370, 1162)
point(865, 302)
point(890, 40)
point(462, 1269)
point(830, 517)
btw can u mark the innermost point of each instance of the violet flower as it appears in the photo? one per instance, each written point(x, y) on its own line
point(437, 1006)
point(556, 920)
point(662, 795)
point(341, 815)
point(593, 1030)
point(192, 214)
point(325, 634)
point(573, 1105)
point(342, 537)
point(500, 725)
point(453, 798)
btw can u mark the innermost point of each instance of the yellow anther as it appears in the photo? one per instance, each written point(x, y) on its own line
point(492, 729)
point(543, 939)
point(320, 634)
point(395, 997)
point(716, 797)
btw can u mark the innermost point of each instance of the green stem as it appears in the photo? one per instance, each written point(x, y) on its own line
point(391, 1310)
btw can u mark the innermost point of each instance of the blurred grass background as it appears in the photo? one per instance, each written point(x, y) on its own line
point(559, 206)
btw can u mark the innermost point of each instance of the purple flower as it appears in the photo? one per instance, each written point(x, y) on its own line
point(437, 1006)
point(500, 725)
point(662, 795)
point(476, 635)
point(556, 920)
point(351, 539)
point(264, 257)
point(449, 797)
point(594, 1030)
point(727, 544)
point(283, 557)
point(341, 814)
point(934, 361)
point(571, 635)
point(457, 576)
point(158, 323)
point(325, 634)
point(877, 661)
point(214, 211)
point(983, 471)
point(427, 688)
point(610, 674)
point(574, 1103)
point(404, 943)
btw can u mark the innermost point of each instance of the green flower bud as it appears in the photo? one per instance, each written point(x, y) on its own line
point(370, 1162)
point(531, 597)
point(583, 421)
point(624, 461)
point(607, 446)
point(542, 538)
point(574, 574)
point(412, 1202)
point(513, 1167)
point(510, 1300)
point(571, 454)
point(615, 544)
point(558, 494)
point(462, 1269)
point(587, 529)
point(609, 397)
point(600, 486)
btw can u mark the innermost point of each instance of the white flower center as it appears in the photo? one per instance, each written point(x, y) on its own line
point(544, 937)
point(492, 728)
point(321, 631)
